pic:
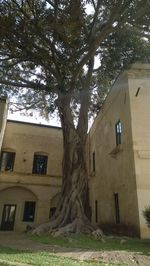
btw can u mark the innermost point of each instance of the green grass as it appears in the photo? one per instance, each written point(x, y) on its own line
point(80, 242)
point(42, 259)
point(87, 242)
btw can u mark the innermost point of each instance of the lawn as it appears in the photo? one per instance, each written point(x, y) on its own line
point(82, 242)
point(86, 242)
point(41, 259)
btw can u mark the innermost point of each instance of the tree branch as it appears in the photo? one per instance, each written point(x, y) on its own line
point(29, 85)
point(85, 100)
point(94, 5)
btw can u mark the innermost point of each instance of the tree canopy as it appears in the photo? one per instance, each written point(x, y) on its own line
point(48, 53)
point(50, 46)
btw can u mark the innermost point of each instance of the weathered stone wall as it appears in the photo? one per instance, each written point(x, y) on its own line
point(21, 185)
point(114, 165)
point(26, 139)
point(139, 88)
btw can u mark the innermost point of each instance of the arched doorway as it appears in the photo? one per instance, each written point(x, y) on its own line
point(17, 208)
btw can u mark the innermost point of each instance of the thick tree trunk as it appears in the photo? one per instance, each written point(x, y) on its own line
point(73, 211)
point(74, 203)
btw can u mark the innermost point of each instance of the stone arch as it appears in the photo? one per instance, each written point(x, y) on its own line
point(20, 198)
point(5, 189)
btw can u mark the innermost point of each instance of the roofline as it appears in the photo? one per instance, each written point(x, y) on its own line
point(33, 124)
point(136, 65)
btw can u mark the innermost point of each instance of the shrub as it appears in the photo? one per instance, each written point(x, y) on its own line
point(146, 214)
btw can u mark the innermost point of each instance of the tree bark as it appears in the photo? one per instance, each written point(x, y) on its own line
point(73, 211)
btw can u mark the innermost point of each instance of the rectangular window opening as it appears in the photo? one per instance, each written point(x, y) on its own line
point(93, 161)
point(117, 211)
point(138, 90)
point(118, 131)
point(40, 164)
point(52, 211)
point(96, 211)
point(7, 161)
point(8, 217)
point(29, 211)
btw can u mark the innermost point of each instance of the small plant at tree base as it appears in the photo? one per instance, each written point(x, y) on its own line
point(146, 214)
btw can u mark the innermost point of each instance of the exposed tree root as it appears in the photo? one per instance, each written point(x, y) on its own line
point(73, 211)
point(78, 226)
point(41, 229)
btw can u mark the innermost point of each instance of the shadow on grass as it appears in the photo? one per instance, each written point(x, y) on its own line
point(83, 242)
point(10, 256)
point(47, 250)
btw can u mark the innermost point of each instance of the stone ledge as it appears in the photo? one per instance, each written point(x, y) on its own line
point(144, 154)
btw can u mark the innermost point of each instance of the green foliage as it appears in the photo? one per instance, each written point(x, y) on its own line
point(47, 48)
point(146, 214)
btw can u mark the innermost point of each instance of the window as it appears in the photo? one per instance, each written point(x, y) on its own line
point(93, 161)
point(40, 164)
point(117, 212)
point(96, 211)
point(7, 161)
point(29, 211)
point(52, 211)
point(118, 129)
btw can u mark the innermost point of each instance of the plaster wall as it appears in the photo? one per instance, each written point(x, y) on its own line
point(26, 139)
point(114, 165)
point(21, 185)
point(18, 193)
point(139, 84)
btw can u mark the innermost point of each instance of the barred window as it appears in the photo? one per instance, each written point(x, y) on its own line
point(40, 164)
point(7, 161)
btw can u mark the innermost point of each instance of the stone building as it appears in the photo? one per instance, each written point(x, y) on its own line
point(118, 160)
point(119, 154)
point(30, 177)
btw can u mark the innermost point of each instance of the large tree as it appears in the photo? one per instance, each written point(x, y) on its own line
point(48, 52)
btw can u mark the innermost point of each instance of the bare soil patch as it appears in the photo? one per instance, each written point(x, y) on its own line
point(20, 242)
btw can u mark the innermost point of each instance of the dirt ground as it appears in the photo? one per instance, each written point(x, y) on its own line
point(19, 241)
